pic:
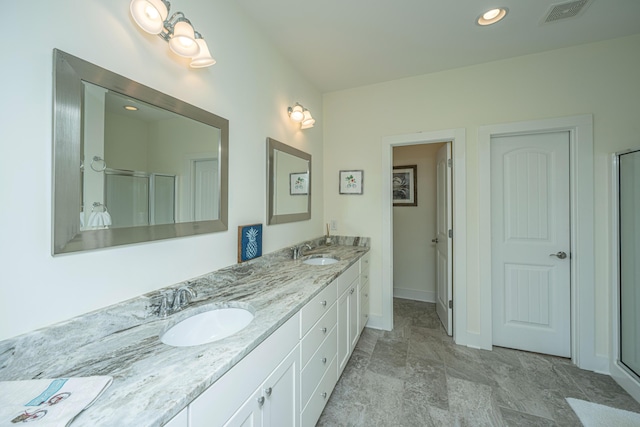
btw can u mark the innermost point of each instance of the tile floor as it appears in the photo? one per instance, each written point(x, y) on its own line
point(416, 376)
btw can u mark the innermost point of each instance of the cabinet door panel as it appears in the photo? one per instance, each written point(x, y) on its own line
point(344, 343)
point(282, 393)
point(249, 414)
point(354, 317)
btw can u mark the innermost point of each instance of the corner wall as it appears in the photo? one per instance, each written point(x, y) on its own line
point(599, 79)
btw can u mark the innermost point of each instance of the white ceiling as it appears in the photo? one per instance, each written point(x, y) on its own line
point(340, 44)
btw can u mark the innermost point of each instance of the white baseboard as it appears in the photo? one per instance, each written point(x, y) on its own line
point(376, 322)
point(413, 294)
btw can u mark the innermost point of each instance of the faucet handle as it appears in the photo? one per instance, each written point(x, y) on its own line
point(162, 304)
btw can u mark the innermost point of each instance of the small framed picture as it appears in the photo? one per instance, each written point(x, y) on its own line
point(405, 188)
point(351, 182)
point(299, 183)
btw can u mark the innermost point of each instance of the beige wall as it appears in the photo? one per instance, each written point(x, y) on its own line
point(414, 255)
point(251, 86)
point(599, 79)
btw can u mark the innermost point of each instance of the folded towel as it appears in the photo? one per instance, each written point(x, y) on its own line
point(99, 220)
point(48, 402)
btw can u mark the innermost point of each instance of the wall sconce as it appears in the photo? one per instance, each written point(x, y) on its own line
point(301, 115)
point(152, 17)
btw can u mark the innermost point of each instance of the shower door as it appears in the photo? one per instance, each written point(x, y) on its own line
point(629, 238)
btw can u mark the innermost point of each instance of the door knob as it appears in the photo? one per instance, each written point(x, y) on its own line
point(560, 255)
point(435, 240)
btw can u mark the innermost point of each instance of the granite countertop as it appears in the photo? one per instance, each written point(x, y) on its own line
point(153, 381)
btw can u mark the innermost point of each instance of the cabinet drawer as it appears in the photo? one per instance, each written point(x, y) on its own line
point(347, 278)
point(318, 333)
point(317, 307)
point(320, 395)
point(364, 269)
point(364, 305)
point(318, 365)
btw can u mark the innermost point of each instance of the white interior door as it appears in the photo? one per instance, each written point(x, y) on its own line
point(444, 256)
point(205, 190)
point(530, 242)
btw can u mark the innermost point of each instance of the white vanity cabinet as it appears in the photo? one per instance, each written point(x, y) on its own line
point(348, 314)
point(260, 390)
point(286, 381)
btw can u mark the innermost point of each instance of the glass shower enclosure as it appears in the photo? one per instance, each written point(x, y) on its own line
point(628, 177)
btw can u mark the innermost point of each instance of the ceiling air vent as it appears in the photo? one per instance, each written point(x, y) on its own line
point(565, 10)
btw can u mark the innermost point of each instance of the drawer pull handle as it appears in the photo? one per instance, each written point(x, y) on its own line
point(268, 391)
point(261, 400)
point(323, 303)
point(324, 395)
point(324, 330)
point(352, 289)
point(324, 360)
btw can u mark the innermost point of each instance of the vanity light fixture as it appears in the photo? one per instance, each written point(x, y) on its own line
point(301, 115)
point(492, 16)
point(177, 30)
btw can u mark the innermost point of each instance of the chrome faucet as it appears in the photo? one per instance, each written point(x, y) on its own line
point(297, 250)
point(180, 298)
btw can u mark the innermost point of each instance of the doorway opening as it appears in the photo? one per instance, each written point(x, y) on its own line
point(459, 244)
point(422, 249)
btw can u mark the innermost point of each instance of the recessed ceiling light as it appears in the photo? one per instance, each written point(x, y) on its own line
point(492, 16)
point(130, 108)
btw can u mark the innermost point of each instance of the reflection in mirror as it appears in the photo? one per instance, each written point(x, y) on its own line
point(151, 166)
point(159, 167)
point(289, 183)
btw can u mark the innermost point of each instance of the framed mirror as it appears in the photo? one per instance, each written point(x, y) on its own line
point(289, 183)
point(131, 164)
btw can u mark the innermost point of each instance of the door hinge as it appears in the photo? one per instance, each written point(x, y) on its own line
point(450, 233)
point(450, 303)
point(450, 162)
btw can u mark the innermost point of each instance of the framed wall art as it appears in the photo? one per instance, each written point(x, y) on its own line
point(249, 242)
point(299, 183)
point(351, 182)
point(405, 186)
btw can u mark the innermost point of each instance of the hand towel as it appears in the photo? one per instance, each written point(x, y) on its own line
point(48, 402)
point(99, 220)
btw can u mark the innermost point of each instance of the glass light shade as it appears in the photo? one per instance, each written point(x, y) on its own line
point(492, 16)
point(149, 14)
point(183, 41)
point(309, 125)
point(203, 59)
point(296, 113)
point(307, 120)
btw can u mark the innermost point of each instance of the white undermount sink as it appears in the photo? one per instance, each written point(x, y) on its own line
point(320, 260)
point(206, 327)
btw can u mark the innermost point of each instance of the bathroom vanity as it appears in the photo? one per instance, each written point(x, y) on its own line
point(279, 370)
